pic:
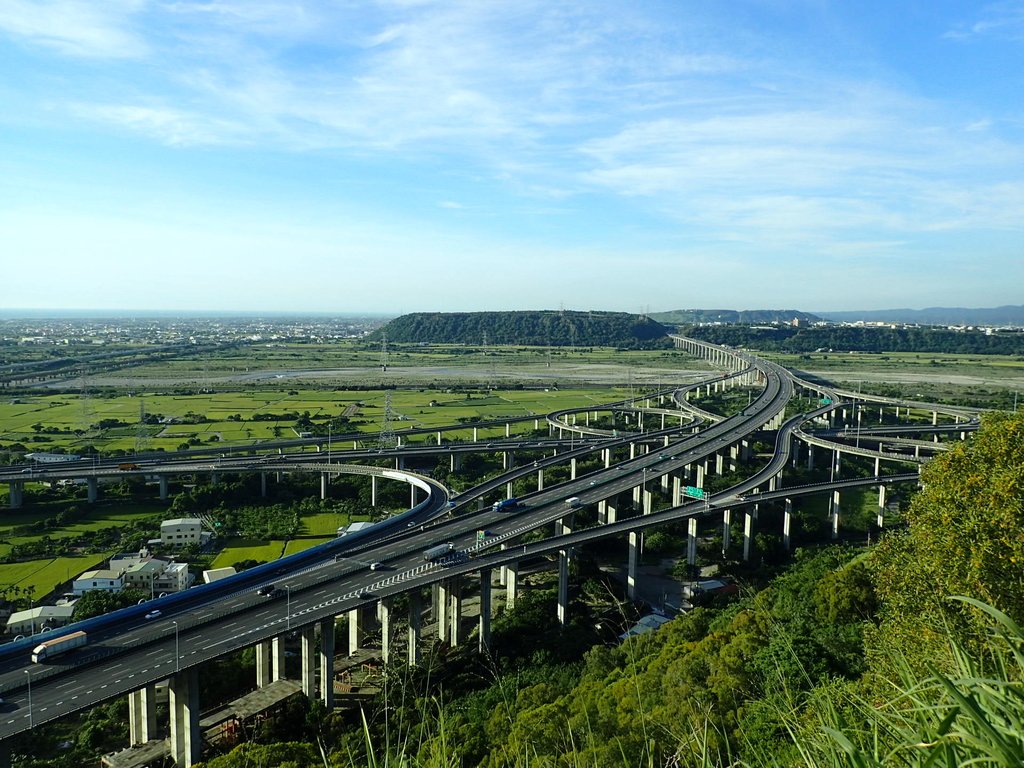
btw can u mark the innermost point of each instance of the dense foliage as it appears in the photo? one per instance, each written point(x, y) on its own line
point(855, 339)
point(553, 329)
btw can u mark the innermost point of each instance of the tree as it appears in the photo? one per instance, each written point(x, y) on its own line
point(964, 538)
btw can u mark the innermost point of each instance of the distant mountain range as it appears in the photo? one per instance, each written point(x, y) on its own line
point(1008, 315)
point(731, 316)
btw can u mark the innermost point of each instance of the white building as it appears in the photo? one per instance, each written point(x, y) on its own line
point(174, 578)
point(36, 619)
point(216, 574)
point(105, 579)
point(181, 531)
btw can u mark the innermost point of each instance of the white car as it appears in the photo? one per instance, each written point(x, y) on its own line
point(154, 614)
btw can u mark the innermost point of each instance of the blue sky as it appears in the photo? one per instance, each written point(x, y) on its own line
point(411, 155)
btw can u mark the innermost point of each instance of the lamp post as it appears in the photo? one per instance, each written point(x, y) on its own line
point(28, 676)
point(177, 656)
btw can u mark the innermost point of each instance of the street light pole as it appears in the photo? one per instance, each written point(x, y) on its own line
point(177, 655)
point(28, 676)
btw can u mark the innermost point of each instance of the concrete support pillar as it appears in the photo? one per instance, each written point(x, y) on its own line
point(264, 673)
point(92, 489)
point(508, 429)
point(484, 633)
point(387, 629)
point(142, 715)
point(540, 479)
point(356, 630)
point(263, 484)
point(507, 460)
point(455, 462)
point(700, 476)
point(439, 437)
point(719, 463)
point(183, 702)
point(327, 662)
point(214, 479)
point(787, 518)
point(878, 466)
point(611, 512)
point(572, 469)
point(665, 479)
point(633, 562)
point(476, 435)
point(163, 487)
point(677, 490)
point(323, 486)
point(881, 506)
point(606, 456)
point(835, 514)
point(648, 499)
point(441, 606)
point(456, 611)
point(277, 658)
point(373, 490)
point(511, 584)
point(307, 646)
point(691, 541)
point(726, 529)
point(734, 456)
point(748, 533)
point(413, 632)
point(17, 495)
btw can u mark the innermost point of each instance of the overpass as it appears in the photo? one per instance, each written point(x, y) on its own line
point(128, 654)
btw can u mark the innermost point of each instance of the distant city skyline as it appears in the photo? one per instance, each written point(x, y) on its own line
point(383, 158)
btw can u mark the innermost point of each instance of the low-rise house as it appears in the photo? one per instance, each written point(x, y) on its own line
point(181, 531)
point(216, 574)
point(41, 617)
point(105, 579)
point(175, 577)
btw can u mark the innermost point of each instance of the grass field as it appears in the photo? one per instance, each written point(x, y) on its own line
point(237, 550)
point(60, 417)
point(43, 576)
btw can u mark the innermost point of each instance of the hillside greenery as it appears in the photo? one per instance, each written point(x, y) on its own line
point(542, 328)
point(858, 339)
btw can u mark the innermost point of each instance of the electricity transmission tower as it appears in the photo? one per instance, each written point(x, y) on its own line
point(388, 439)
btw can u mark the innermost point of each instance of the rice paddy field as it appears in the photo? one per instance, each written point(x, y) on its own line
point(229, 399)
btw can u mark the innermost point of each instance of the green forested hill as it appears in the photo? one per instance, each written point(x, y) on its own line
point(542, 328)
point(856, 339)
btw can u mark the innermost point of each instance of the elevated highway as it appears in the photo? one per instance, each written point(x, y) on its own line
point(127, 653)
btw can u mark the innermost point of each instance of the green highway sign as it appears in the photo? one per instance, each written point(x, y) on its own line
point(694, 492)
point(826, 401)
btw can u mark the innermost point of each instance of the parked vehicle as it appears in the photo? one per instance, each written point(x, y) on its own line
point(50, 648)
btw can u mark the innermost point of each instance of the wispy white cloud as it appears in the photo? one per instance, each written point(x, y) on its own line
point(76, 27)
point(169, 126)
point(1000, 20)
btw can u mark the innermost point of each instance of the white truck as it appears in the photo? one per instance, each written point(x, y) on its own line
point(573, 501)
point(439, 551)
point(50, 648)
